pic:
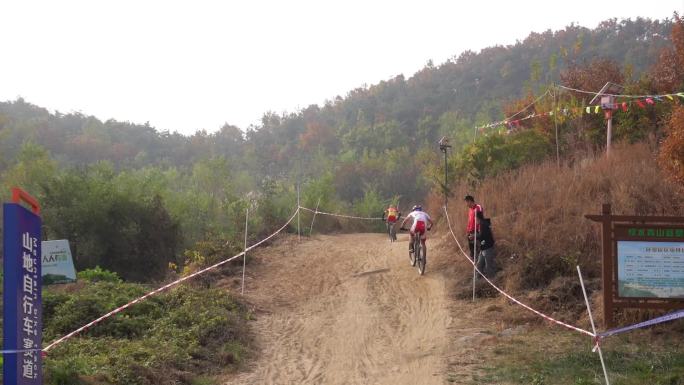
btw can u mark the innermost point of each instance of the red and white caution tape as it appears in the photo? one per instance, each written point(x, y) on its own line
point(340, 215)
point(509, 296)
point(159, 290)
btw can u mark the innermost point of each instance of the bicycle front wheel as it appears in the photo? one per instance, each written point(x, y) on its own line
point(412, 255)
point(422, 261)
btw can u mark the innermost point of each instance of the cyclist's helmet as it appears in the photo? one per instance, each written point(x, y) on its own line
point(417, 208)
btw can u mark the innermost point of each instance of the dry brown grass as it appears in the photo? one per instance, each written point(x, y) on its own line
point(538, 219)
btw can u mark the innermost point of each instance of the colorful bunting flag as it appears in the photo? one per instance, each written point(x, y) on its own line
point(642, 102)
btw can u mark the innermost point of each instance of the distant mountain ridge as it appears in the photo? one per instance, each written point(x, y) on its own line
point(399, 113)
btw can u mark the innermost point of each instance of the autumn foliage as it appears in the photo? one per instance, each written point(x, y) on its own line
point(668, 73)
point(593, 76)
point(671, 157)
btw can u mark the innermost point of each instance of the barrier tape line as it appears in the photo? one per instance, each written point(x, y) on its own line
point(167, 286)
point(506, 294)
point(340, 215)
point(19, 351)
point(668, 317)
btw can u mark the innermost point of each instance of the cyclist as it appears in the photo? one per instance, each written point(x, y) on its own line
point(391, 215)
point(420, 224)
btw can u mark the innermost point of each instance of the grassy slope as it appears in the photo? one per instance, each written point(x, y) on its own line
point(538, 220)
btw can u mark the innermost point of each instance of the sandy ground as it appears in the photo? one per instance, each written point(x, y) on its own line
point(349, 309)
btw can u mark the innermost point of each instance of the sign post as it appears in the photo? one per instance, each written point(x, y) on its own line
point(22, 311)
point(643, 262)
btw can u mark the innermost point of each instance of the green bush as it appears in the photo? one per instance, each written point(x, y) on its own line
point(493, 154)
point(98, 275)
point(172, 338)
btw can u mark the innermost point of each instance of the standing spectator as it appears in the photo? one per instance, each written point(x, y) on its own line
point(473, 209)
point(485, 238)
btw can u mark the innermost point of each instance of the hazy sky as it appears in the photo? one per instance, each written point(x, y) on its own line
point(197, 64)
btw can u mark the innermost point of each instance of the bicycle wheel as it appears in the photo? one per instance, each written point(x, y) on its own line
point(422, 261)
point(412, 255)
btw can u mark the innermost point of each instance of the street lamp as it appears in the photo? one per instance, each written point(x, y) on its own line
point(443, 147)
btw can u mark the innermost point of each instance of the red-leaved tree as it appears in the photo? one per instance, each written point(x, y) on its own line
point(671, 156)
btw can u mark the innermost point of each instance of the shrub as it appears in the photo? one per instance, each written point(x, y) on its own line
point(98, 275)
point(171, 338)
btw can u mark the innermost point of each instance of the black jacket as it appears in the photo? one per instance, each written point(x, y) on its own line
point(485, 237)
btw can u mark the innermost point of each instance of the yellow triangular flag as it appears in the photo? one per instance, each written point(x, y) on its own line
point(597, 109)
point(669, 97)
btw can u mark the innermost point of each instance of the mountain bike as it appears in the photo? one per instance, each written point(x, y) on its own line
point(418, 257)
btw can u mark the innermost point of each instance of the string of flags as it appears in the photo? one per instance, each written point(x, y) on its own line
point(642, 103)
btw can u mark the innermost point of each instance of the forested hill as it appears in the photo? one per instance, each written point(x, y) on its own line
point(367, 136)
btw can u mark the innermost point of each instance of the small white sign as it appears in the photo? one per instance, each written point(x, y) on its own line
point(56, 262)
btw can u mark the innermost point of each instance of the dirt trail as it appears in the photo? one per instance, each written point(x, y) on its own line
point(349, 309)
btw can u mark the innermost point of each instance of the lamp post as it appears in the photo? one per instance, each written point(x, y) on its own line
point(606, 99)
point(443, 147)
point(607, 103)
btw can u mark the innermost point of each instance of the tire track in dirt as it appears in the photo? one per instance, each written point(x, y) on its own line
point(347, 309)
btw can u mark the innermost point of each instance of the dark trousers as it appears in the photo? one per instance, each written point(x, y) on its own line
point(485, 262)
point(471, 246)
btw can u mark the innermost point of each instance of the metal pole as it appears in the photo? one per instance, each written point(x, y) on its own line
point(314, 216)
point(244, 256)
point(555, 123)
point(446, 186)
point(593, 327)
point(609, 132)
point(474, 256)
point(299, 206)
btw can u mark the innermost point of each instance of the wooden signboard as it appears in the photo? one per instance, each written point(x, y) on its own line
point(643, 262)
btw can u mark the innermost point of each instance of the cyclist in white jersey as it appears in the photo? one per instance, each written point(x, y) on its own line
point(420, 223)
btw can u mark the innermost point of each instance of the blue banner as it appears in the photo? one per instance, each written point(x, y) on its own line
point(22, 311)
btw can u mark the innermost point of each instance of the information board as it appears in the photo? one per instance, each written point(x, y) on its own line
point(650, 269)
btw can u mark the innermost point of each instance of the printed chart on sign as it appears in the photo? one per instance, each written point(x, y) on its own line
point(650, 269)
